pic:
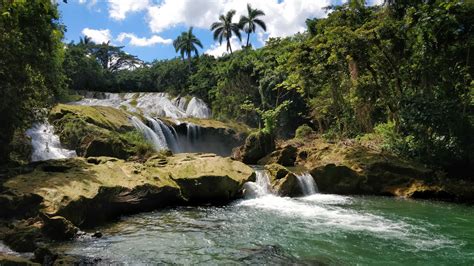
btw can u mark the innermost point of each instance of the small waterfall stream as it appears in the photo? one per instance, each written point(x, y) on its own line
point(262, 187)
point(158, 141)
point(164, 133)
point(307, 184)
point(46, 144)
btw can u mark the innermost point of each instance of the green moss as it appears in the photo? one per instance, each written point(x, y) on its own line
point(236, 126)
point(137, 144)
point(102, 116)
point(303, 131)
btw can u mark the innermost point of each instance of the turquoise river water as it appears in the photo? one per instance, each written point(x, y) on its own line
point(318, 229)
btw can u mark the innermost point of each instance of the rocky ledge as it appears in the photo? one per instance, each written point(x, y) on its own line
point(54, 198)
point(351, 167)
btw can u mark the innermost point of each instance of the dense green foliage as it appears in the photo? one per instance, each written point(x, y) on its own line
point(402, 71)
point(405, 67)
point(30, 64)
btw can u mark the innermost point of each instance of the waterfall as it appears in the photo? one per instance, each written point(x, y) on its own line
point(45, 144)
point(307, 184)
point(198, 108)
point(158, 141)
point(150, 103)
point(162, 129)
point(261, 187)
point(192, 132)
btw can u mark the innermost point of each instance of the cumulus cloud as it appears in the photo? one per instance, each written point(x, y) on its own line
point(90, 3)
point(118, 9)
point(98, 36)
point(218, 50)
point(283, 18)
point(137, 41)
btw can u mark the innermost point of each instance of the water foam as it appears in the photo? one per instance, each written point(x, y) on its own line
point(46, 145)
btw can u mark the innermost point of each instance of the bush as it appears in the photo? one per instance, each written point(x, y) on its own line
point(303, 131)
point(137, 144)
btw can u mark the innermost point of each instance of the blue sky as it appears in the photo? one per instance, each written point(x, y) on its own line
point(146, 28)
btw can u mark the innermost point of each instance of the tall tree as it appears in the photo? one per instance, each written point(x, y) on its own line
point(250, 22)
point(187, 43)
point(225, 29)
point(113, 58)
point(30, 64)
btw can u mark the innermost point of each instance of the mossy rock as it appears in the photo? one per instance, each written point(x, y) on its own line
point(287, 186)
point(256, 146)
point(106, 147)
point(283, 181)
point(10, 260)
point(276, 171)
point(91, 191)
point(101, 116)
point(58, 228)
point(285, 156)
point(98, 131)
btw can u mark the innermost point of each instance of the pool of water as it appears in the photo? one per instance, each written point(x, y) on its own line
point(317, 229)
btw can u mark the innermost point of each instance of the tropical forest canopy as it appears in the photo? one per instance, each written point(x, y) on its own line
point(401, 72)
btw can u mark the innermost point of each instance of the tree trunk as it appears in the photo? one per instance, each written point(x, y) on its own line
point(248, 38)
point(229, 47)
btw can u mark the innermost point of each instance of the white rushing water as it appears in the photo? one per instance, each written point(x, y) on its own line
point(329, 212)
point(307, 184)
point(198, 108)
point(45, 144)
point(261, 187)
point(157, 140)
point(151, 103)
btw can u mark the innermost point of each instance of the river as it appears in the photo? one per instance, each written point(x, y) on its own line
point(316, 229)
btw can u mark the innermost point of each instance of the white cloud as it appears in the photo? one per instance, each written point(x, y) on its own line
point(118, 9)
point(98, 36)
point(137, 41)
point(218, 50)
point(283, 18)
point(90, 3)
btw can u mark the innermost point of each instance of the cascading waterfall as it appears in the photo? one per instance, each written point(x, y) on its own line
point(45, 144)
point(163, 130)
point(158, 142)
point(198, 108)
point(192, 132)
point(307, 184)
point(261, 187)
point(150, 103)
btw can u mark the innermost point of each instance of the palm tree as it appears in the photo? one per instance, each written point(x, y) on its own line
point(85, 41)
point(225, 28)
point(187, 43)
point(250, 22)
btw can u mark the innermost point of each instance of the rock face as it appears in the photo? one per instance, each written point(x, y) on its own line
point(285, 156)
point(347, 167)
point(283, 182)
point(96, 131)
point(87, 192)
point(256, 146)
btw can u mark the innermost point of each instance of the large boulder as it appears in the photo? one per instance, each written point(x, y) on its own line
point(211, 179)
point(283, 181)
point(350, 167)
point(89, 191)
point(58, 228)
point(106, 147)
point(285, 155)
point(256, 146)
point(98, 131)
